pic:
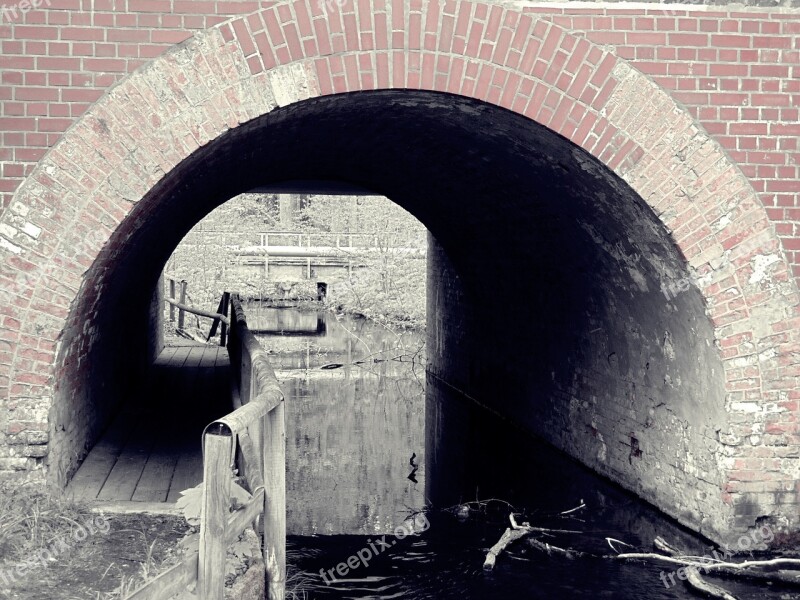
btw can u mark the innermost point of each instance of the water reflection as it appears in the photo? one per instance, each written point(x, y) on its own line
point(471, 453)
point(356, 414)
point(355, 419)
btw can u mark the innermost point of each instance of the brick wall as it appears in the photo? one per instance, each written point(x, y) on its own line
point(737, 70)
point(165, 147)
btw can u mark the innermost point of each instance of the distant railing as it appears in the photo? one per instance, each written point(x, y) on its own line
point(326, 238)
point(250, 441)
point(219, 318)
point(333, 239)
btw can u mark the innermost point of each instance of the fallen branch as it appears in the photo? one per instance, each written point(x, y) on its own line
point(551, 550)
point(509, 536)
point(516, 532)
point(190, 336)
point(722, 567)
point(571, 510)
point(756, 570)
point(693, 579)
point(776, 570)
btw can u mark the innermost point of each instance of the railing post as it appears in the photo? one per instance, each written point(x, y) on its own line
point(274, 549)
point(172, 295)
point(213, 518)
point(223, 331)
point(181, 312)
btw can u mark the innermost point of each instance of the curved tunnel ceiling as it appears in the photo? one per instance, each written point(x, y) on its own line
point(472, 173)
point(561, 263)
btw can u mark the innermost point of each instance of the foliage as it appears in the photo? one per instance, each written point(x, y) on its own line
point(191, 501)
point(390, 291)
point(246, 212)
point(390, 288)
point(32, 518)
point(362, 214)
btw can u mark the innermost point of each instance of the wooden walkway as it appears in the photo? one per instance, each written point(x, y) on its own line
point(152, 450)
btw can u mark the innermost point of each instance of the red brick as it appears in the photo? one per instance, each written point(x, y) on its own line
point(688, 40)
point(29, 32)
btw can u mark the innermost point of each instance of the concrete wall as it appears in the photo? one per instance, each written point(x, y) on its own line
point(602, 366)
point(112, 338)
point(155, 325)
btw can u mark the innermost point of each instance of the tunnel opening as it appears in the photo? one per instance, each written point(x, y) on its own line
point(555, 296)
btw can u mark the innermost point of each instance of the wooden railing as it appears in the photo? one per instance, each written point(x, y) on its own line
point(340, 239)
point(251, 442)
point(219, 319)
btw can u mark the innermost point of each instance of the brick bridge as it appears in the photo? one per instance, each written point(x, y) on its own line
point(638, 161)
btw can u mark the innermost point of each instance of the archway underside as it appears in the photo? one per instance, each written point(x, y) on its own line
point(547, 297)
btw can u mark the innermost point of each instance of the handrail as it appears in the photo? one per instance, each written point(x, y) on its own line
point(219, 317)
point(295, 238)
point(199, 311)
point(251, 440)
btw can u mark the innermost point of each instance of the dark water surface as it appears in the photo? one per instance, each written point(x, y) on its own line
point(356, 469)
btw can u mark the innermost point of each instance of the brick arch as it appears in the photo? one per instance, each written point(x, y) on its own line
point(244, 68)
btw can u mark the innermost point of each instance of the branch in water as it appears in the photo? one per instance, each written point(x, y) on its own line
point(788, 569)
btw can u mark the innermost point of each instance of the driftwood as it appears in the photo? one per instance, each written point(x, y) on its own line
point(184, 333)
point(777, 570)
point(693, 579)
point(759, 570)
point(552, 550)
point(512, 534)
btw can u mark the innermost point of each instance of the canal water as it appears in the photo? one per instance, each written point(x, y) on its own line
point(356, 484)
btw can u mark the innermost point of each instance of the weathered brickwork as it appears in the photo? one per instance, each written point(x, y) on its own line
point(609, 79)
point(736, 70)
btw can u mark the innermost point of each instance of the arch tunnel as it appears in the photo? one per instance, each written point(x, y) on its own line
point(557, 298)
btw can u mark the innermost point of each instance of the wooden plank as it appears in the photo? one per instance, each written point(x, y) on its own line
point(123, 478)
point(223, 358)
point(153, 485)
point(188, 472)
point(185, 308)
point(135, 508)
point(170, 582)
point(172, 295)
point(166, 355)
point(243, 517)
point(214, 516)
point(274, 549)
point(209, 357)
point(180, 356)
point(96, 467)
point(223, 336)
point(182, 300)
point(216, 322)
point(194, 358)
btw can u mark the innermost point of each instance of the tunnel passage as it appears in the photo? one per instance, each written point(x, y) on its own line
point(545, 283)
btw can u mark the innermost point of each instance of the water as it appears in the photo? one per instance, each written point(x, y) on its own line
point(355, 411)
point(356, 414)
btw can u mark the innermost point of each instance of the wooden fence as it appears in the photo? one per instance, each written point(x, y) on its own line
point(251, 442)
point(219, 319)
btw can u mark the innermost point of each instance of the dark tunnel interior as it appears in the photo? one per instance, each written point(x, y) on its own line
point(547, 280)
